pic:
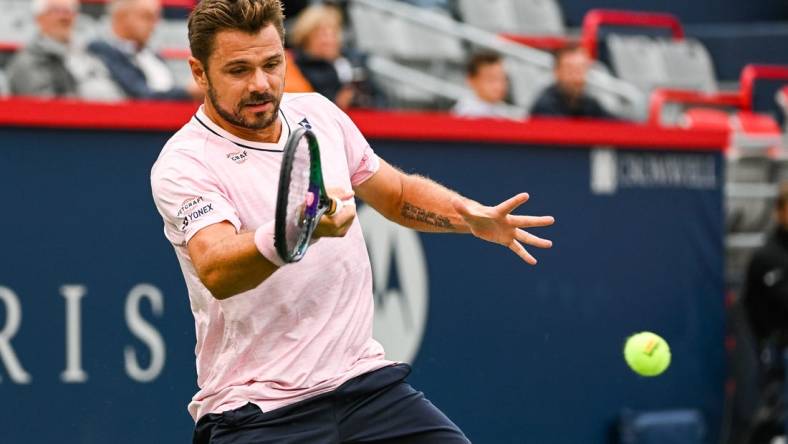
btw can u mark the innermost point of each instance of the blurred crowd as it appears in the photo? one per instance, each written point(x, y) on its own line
point(120, 64)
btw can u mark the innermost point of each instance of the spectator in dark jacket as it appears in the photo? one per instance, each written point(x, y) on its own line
point(340, 76)
point(568, 97)
point(139, 71)
point(765, 300)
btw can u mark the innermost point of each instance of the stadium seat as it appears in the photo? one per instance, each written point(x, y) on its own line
point(491, 15)
point(180, 70)
point(170, 34)
point(652, 63)
point(389, 36)
point(688, 65)
point(539, 17)
point(424, 44)
point(376, 32)
point(638, 59)
point(16, 23)
point(4, 89)
point(749, 214)
point(609, 100)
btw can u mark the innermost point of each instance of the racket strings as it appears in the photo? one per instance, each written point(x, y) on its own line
point(300, 200)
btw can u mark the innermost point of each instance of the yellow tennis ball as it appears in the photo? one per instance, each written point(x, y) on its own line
point(647, 354)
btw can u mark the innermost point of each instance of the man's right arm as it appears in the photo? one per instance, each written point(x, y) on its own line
point(229, 263)
point(226, 262)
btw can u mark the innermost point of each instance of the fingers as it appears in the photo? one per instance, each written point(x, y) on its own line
point(510, 204)
point(531, 221)
point(337, 225)
point(520, 251)
point(529, 239)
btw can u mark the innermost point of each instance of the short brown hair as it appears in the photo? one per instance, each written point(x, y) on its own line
point(480, 59)
point(210, 17)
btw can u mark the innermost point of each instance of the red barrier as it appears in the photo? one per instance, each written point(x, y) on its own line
point(596, 18)
point(163, 116)
point(545, 42)
point(741, 100)
point(662, 96)
point(752, 73)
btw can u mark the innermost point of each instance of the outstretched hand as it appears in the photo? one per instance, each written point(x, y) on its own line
point(497, 224)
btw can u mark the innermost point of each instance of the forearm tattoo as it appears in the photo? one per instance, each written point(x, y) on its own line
point(410, 211)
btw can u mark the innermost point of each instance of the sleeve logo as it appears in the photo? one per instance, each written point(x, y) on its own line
point(192, 209)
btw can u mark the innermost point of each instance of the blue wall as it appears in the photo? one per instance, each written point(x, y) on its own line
point(513, 354)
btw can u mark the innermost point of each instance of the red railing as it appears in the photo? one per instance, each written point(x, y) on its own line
point(752, 73)
point(742, 100)
point(545, 42)
point(596, 18)
point(660, 97)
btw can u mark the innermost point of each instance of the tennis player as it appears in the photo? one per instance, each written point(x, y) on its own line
point(285, 352)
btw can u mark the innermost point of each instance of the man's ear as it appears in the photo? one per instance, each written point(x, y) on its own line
point(199, 73)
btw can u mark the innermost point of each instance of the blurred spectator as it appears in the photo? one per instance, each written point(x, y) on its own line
point(765, 300)
point(339, 75)
point(137, 69)
point(49, 66)
point(40, 68)
point(294, 79)
point(489, 87)
point(567, 97)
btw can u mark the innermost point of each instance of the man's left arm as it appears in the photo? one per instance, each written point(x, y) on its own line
point(422, 204)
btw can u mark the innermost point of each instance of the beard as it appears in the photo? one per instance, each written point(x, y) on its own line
point(259, 121)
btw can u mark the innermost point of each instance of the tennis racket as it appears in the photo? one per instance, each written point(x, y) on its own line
point(301, 200)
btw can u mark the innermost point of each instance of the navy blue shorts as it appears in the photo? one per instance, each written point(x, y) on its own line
point(377, 407)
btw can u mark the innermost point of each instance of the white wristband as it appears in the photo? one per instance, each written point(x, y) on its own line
point(264, 241)
point(338, 205)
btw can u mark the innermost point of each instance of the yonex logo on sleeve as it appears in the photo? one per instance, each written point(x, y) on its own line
point(192, 209)
point(305, 123)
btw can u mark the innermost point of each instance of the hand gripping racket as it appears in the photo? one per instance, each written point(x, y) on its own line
point(301, 198)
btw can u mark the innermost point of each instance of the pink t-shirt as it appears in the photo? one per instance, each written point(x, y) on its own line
point(306, 329)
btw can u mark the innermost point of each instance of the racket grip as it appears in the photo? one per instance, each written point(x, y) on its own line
point(335, 206)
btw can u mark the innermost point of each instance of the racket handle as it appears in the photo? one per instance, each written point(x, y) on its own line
point(335, 206)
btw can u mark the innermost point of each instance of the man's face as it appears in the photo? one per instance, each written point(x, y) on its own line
point(139, 19)
point(245, 77)
point(490, 82)
point(57, 20)
point(570, 72)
